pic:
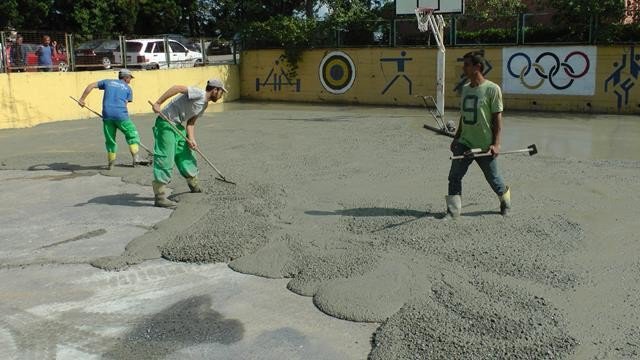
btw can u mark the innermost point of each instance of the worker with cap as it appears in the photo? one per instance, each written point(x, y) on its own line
point(117, 93)
point(171, 148)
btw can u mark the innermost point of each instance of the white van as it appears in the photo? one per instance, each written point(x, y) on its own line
point(150, 54)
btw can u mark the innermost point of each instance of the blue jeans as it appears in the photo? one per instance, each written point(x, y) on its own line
point(488, 164)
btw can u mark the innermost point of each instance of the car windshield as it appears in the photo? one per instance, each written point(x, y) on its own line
point(134, 46)
point(108, 45)
point(90, 44)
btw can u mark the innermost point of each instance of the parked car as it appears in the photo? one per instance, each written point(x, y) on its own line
point(60, 62)
point(188, 43)
point(96, 54)
point(219, 46)
point(150, 54)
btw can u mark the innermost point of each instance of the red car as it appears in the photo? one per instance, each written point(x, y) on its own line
point(60, 62)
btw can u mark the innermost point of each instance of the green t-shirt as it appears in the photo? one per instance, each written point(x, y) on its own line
point(477, 107)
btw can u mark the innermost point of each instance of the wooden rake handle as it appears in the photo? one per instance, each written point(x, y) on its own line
point(100, 116)
point(165, 118)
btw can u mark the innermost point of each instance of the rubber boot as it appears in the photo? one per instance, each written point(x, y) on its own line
point(160, 191)
point(135, 156)
point(454, 206)
point(135, 159)
point(193, 184)
point(505, 202)
point(111, 158)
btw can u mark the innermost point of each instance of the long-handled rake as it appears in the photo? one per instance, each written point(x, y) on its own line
point(148, 162)
point(474, 153)
point(221, 177)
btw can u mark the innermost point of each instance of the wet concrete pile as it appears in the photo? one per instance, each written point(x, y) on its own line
point(473, 288)
point(236, 224)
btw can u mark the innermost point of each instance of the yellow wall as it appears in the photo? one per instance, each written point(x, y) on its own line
point(373, 75)
point(29, 99)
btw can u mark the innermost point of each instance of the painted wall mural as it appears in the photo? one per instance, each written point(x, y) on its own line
point(623, 77)
point(276, 78)
point(533, 78)
point(399, 62)
point(337, 72)
point(566, 70)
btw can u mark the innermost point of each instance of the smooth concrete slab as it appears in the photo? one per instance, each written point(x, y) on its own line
point(62, 217)
point(54, 305)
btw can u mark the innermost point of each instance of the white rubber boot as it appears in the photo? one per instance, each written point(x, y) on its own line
point(505, 202)
point(454, 206)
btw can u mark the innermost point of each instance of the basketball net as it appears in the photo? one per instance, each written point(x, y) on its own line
point(427, 21)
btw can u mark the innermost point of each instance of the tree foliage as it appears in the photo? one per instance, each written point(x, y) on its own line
point(487, 10)
point(603, 11)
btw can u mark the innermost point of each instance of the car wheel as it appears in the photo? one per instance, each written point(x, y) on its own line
point(63, 67)
point(197, 63)
point(106, 63)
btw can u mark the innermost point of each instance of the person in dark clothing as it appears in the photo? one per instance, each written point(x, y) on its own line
point(18, 55)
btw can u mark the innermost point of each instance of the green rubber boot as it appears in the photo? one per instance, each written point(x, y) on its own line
point(193, 184)
point(160, 191)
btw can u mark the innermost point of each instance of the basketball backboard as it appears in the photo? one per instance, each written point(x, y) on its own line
point(406, 7)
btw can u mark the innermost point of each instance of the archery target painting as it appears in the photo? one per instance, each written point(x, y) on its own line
point(337, 72)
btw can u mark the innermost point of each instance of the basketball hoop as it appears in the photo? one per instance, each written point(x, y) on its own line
point(423, 14)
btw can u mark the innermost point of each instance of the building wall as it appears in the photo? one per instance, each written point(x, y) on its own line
point(29, 99)
point(583, 78)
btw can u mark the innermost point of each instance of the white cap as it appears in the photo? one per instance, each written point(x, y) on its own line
point(124, 72)
point(216, 83)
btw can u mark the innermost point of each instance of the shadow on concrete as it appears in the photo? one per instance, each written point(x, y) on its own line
point(381, 212)
point(480, 213)
point(65, 167)
point(187, 323)
point(365, 212)
point(126, 199)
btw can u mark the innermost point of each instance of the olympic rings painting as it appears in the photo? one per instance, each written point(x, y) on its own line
point(566, 70)
point(337, 72)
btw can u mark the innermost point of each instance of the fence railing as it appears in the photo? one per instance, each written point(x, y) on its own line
point(76, 52)
point(29, 51)
point(462, 30)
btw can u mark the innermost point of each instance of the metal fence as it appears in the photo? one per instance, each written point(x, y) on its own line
point(76, 52)
point(28, 51)
point(461, 30)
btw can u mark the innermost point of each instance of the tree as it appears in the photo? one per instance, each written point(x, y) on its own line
point(159, 16)
point(8, 13)
point(25, 14)
point(603, 11)
point(488, 10)
point(91, 17)
point(125, 15)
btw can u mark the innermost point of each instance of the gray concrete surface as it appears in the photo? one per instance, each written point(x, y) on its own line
point(345, 201)
point(53, 305)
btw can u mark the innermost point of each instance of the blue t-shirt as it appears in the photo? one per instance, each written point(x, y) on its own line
point(45, 55)
point(117, 94)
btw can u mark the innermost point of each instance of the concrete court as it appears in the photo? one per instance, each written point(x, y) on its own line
point(54, 305)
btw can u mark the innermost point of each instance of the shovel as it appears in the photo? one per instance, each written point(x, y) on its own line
point(474, 153)
point(147, 162)
point(221, 177)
